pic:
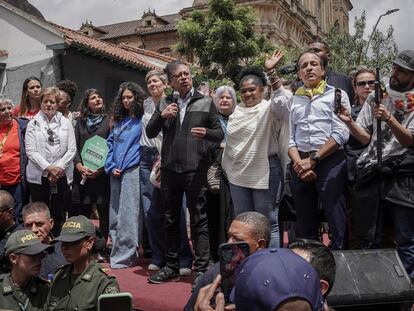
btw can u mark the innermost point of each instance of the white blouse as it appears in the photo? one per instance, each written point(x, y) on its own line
point(42, 153)
point(253, 134)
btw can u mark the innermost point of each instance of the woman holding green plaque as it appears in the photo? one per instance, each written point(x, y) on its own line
point(122, 164)
point(92, 121)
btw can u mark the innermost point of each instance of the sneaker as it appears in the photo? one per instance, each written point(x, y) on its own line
point(153, 267)
point(197, 278)
point(164, 275)
point(185, 271)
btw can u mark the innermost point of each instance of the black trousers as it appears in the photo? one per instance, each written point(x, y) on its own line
point(58, 203)
point(173, 186)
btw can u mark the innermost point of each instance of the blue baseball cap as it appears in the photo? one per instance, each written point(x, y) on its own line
point(271, 276)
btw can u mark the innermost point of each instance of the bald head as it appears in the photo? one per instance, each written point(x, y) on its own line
point(6, 210)
point(6, 200)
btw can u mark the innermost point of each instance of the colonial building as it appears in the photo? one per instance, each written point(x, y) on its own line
point(31, 46)
point(293, 23)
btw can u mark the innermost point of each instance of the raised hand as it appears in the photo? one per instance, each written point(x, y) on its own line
point(271, 61)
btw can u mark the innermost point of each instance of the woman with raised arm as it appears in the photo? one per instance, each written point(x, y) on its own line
point(253, 151)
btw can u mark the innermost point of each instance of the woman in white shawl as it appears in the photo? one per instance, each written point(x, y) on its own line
point(253, 152)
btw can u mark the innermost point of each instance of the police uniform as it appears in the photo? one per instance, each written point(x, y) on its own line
point(84, 293)
point(4, 235)
point(71, 291)
point(31, 298)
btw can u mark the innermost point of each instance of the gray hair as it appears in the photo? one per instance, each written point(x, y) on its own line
point(6, 100)
point(259, 224)
point(220, 91)
point(36, 207)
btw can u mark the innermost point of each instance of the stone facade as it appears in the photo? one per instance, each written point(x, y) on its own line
point(292, 23)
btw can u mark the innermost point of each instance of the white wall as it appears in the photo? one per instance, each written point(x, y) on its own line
point(24, 40)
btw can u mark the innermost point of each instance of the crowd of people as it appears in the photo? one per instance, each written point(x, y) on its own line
point(213, 163)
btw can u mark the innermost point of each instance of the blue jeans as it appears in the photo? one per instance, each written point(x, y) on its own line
point(17, 192)
point(154, 215)
point(264, 201)
point(124, 218)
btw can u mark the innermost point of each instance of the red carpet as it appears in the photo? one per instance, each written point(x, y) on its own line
point(152, 297)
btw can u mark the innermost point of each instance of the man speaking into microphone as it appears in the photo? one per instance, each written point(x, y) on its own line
point(189, 122)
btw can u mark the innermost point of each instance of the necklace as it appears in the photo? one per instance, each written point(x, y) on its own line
point(5, 138)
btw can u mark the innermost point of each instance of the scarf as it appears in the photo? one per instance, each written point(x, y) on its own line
point(93, 120)
point(318, 90)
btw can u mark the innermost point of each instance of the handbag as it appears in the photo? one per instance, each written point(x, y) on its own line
point(213, 177)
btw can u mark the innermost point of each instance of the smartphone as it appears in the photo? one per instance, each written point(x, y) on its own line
point(117, 301)
point(338, 100)
point(231, 255)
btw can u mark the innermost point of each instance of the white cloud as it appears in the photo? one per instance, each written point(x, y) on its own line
point(71, 13)
point(401, 20)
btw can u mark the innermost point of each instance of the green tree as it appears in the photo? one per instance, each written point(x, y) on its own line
point(347, 51)
point(222, 40)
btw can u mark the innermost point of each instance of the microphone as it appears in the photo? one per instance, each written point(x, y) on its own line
point(175, 97)
point(287, 69)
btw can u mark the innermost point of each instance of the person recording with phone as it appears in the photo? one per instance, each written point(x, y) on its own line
point(189, 123)
point(252, 228)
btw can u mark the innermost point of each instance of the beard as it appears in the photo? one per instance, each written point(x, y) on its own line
point(399, 86)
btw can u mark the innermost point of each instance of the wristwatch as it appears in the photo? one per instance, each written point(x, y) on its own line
point(314, 157)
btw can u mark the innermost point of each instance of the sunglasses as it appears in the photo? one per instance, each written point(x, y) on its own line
point(50, 138)
point(364, 83)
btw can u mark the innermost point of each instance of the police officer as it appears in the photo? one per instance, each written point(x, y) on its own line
point(21, 289)
point(78, 285)
point(7, 223)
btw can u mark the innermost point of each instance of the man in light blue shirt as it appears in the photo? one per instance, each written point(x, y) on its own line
point(315, 148)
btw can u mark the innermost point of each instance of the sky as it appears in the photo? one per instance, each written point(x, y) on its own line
point(71, 13)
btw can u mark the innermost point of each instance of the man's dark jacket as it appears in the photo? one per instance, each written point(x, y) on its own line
point(181, 151)
point(340, 81)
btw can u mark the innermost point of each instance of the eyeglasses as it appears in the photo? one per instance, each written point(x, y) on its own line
point(184, 74)
point(364, 83)
point(50, 138)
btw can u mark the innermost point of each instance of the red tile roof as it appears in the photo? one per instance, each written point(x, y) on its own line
point(130, 28)
point(126, 54)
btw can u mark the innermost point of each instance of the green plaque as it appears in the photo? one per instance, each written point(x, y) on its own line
point(94, 152)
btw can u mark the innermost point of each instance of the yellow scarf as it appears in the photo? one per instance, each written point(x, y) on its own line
point(318, 90)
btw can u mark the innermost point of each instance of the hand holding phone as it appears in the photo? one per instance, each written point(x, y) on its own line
point(117, 301)
point(231, 255)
